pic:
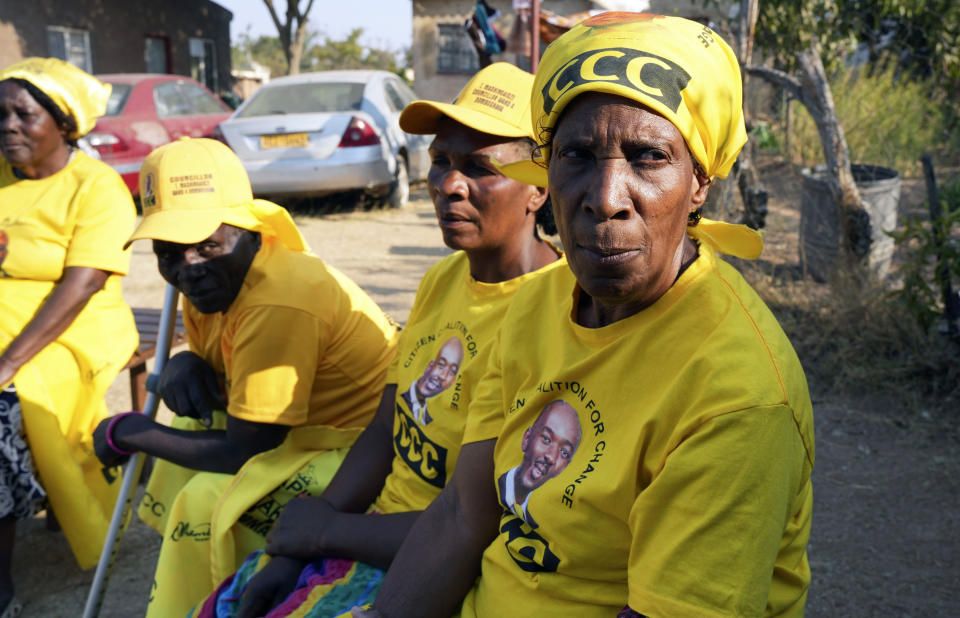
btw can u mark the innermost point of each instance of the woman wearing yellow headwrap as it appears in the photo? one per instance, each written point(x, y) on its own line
point(642, 441)
point(65, 331)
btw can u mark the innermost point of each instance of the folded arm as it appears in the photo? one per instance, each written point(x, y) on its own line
point(210, 451)
point(56, 314)
point(336, 525)
point(440, 558)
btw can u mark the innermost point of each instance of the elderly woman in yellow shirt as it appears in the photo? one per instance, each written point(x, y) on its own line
point(65, 331)
point(680, 483)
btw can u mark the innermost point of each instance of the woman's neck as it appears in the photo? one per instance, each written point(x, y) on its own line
point(50, 165)
point(594, 313)
point(505, 263)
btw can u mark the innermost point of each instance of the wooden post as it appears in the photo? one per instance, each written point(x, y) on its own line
point(950, 299)
point(535, 36)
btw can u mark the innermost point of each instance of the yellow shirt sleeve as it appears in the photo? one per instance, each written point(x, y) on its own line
point(486, 411)
point(738, 472)
point(271, 361)
point(105, 220)
point(426, 283)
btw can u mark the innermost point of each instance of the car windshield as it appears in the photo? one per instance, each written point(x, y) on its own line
point(304, 99)
point(180, 98)
point(118, 98)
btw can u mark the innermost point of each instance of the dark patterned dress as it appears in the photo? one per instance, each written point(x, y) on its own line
point(21, 495)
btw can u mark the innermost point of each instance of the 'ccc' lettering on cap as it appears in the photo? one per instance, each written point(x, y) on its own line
point(654, 76)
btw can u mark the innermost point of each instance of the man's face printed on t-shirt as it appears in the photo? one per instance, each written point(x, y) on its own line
point(442, 370)
point(548, 446)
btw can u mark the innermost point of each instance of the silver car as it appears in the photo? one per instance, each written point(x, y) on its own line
point(328, 132)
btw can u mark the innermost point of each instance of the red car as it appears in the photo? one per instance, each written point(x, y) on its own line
point(147, 110)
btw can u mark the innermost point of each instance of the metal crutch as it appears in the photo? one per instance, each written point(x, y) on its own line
point(168, 319)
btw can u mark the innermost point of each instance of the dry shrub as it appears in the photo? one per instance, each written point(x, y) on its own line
point(855, 338)
point(887, 118)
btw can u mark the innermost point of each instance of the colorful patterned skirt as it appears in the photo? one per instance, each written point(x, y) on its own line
point(326, 589)
point(21, 495)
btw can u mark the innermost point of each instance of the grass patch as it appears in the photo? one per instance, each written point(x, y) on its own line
point(855, 338)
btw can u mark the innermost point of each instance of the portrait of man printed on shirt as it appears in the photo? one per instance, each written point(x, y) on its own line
point(437, 377)
point(548, 445)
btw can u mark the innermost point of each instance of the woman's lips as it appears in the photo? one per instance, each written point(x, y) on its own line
point(609, 255)
point(452, 220)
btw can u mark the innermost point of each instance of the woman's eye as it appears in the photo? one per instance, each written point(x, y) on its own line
point(439, 160)
point(478, 169)
point(648, 155)
point(573, 153)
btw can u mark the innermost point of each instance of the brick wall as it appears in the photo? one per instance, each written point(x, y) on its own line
point(117, 31)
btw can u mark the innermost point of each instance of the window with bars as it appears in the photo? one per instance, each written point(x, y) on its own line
point(70, 44)
point(455, 52)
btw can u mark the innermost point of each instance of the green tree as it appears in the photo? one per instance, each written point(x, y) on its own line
point(292, 30)
point(264, 50)
point(349, 54)
point(808, 38)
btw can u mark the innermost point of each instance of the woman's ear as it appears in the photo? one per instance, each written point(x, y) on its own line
point(701, 186)
point(538, 198)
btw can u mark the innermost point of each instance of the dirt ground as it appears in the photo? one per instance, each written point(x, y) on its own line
point(885, 537)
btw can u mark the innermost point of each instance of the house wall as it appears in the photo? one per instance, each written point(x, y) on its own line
point(117, 30)
point(428, 13)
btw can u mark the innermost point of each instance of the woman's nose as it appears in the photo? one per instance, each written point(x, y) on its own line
point(453, 183)
point(608, 195)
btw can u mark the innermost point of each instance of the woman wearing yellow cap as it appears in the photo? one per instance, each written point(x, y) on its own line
point(334, 547)
point(65, 331)
point(674, 477)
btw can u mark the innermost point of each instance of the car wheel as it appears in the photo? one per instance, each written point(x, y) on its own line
point(400, 189)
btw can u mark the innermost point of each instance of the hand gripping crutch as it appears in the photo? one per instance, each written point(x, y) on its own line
point(168, 319)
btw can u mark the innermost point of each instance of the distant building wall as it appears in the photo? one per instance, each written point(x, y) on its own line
point(428, 15)
point(117, 33)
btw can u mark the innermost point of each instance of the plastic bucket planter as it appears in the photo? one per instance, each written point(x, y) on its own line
point(821, 228)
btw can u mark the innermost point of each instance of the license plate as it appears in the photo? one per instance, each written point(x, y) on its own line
point(287, 140)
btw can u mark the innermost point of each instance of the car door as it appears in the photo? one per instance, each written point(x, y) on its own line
point(398, 96)
point(187, 109)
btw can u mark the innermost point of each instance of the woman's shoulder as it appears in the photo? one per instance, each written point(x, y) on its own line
point(89, 169)
point(454, 265)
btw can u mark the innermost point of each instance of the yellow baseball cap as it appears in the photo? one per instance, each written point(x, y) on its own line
point(191, 186)
point(77, 93)
point(496, 101)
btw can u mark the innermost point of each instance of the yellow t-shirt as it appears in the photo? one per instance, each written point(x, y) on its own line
point(674, 474)
point(301, 344)
point(79, 216)
point(450, 304)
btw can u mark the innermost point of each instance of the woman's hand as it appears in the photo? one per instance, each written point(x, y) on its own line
point(189, 387)
point(300, 529)
point(270, 587)
point(107, 455)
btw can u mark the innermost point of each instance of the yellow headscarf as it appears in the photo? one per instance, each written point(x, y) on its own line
point(677, 67)
point(77, 93)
